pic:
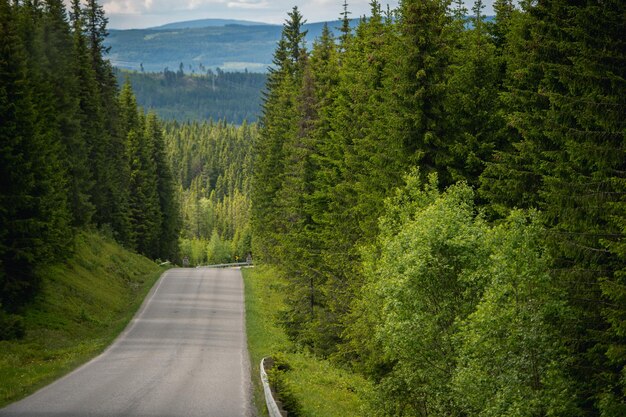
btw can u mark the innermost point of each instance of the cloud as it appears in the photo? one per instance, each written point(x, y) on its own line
point(145, 13)
point(248, 4)
point(152, 7)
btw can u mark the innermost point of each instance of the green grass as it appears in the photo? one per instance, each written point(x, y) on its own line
point(321, 389)
point(83, 305)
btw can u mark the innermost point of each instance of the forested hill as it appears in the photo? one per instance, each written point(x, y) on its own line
point(202, 23)
point(447, 202)
point(229, 47)
point(75, 151)
point(182, 95)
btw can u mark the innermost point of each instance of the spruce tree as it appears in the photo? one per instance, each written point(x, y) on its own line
point(359, 164)
point(278, 125)
point(144, 205)
point(91, 118)
point(34, 220)
point(513, 176)
point(62, 115)
point(475, 122)
point(564, 98)
point(167, 241)
point(417, 88)
point(583, 183)
point(109, 151)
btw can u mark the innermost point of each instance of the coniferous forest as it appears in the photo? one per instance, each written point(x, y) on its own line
point(212, 164)
point(76, 152)
point(181, 96)
point(445, 196)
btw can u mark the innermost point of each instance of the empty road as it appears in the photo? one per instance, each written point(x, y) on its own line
point(183, 355)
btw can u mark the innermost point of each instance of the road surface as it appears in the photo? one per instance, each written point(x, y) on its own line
point(183, 355)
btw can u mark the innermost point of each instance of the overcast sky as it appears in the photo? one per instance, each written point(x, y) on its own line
point(135, 14)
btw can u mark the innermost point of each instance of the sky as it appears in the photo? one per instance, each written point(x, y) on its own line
point(137, 14)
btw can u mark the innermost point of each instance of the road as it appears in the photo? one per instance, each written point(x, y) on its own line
point(183, 355)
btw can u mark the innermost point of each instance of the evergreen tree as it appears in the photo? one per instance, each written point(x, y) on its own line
point(33, 214)
point(109, 149)
point(167, 240)
point(500, 28)
point(511, 179)
point(565, 101)
point(416, 111)
point(472, 101)
point(345, 28)
point(62, 114)
point(91, 122)
point(360, 163)
point(144, 204)
point(278, 125)
point(584, 181)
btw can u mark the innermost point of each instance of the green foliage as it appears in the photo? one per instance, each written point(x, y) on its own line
point(512, 356)
point(217, 251)
point(72, 155)
point(467, 317)
point(447, 313)
point(34, 217)
point(11, 326)
point(426, 280)
point(212, 165)
point(278, 381)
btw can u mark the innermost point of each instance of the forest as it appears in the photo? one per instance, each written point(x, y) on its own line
point(203, 44)
point(443, 193)
point(76, 151)
point(182, 96)
point(445, 196)
point(212, 165)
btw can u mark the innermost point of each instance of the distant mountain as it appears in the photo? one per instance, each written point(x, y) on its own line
point(230, 47)
point(203, 23)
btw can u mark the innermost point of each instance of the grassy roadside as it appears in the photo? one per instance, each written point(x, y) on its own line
point(84, 304)
point(321, 389)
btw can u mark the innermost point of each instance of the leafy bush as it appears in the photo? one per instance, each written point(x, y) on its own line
point(281, 388)
point(466, 315)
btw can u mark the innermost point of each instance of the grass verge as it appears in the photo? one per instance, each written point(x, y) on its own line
point(321, 389)
point(83, 305)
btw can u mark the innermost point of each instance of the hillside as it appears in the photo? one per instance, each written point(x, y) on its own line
point(230, 96)
point(231, 47)
point(202, 23)
point(83, 304)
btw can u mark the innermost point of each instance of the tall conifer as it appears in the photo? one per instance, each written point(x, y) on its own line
point(34, 220)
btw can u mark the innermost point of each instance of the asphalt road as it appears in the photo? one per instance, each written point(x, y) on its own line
point(184, 354)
